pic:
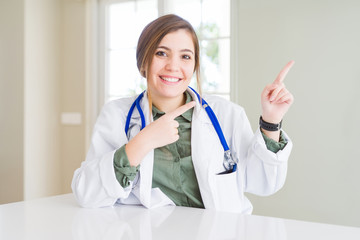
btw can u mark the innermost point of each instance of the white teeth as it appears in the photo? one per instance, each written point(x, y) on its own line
point(170, 79)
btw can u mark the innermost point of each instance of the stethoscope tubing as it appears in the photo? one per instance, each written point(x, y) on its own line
point(137, 104)
point(214, 120)
point(208, 110)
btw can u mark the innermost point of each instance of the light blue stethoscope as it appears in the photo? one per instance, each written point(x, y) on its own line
point(229, 163)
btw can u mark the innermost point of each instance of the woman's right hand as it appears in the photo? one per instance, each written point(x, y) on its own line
point(159, 133)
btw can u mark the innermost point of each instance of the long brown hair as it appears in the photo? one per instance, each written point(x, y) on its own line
point(151, 37)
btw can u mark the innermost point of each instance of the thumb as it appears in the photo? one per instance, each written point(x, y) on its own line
point(267, 90)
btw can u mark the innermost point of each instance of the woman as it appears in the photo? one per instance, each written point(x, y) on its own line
point(177, 158)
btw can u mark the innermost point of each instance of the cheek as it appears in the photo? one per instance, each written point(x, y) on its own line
point(154, 67)
point(153, 72)
point(189, 70)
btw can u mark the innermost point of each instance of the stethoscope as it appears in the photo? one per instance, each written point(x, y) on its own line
point(229, 163)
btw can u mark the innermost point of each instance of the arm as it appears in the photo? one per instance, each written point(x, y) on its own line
point(94, 184)
point(125, 174)
point(99, 180)
point(276, 101)
point(265, 171)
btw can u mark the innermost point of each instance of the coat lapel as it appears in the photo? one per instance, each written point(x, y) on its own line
point(205, 150)
point(146, 167)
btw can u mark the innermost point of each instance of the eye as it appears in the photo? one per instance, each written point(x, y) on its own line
point(161, 54)
point(186, 57)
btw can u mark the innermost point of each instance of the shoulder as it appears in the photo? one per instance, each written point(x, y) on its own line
point(117, 105)
point(115, 110)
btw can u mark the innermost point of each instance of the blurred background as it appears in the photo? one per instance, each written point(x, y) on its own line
point(61, 60)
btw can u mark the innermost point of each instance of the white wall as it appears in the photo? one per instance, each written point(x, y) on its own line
point(42, 158)
point(323, 38)
point(73, 87)
point(11, 100)
point(42, 74)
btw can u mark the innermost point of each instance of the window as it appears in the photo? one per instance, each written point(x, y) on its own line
point(121, 23)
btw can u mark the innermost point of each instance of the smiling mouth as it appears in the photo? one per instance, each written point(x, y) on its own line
point(170, 79)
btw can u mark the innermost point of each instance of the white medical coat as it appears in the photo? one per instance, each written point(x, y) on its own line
point(259, 171)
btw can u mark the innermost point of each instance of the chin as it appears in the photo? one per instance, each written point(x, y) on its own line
point(172, 92)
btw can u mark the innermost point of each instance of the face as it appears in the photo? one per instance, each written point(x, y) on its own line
point(172, 66)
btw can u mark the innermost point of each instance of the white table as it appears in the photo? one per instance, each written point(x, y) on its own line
point(60, 217)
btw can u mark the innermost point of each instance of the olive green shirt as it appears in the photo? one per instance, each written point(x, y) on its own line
point(173, 170)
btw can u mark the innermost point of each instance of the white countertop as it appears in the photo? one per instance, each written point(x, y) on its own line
point(60, 217)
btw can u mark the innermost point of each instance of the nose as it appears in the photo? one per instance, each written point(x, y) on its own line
point(172, 64)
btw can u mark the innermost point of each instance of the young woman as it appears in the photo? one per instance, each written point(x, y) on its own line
point(163, 148)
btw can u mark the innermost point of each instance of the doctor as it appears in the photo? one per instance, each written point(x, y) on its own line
point(177, 158)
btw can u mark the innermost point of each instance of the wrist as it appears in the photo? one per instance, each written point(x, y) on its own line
point(274, 135)
point(271, 126)
point(136, 149)
point(270, 119)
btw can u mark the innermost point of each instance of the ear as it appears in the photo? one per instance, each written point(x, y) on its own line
point(143, 70)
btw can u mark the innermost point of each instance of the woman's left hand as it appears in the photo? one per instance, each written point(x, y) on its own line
point(276, 99)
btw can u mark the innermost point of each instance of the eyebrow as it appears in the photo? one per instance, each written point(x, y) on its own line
point(182, 50)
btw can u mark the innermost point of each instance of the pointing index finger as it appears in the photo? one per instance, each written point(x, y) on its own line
point(177, 112)
point(280, 78)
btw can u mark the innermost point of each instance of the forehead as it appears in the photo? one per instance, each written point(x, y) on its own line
point(178, 40)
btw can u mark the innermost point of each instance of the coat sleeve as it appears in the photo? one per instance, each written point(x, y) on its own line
point(94, 184)
point(263, 171)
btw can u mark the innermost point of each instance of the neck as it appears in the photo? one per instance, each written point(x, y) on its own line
point(168, 104)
